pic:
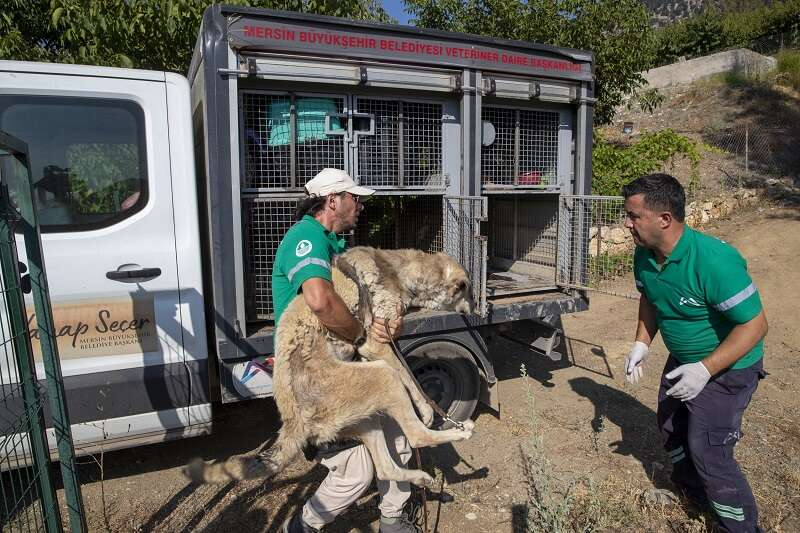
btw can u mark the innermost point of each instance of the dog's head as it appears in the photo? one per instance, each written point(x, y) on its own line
point(457, 287)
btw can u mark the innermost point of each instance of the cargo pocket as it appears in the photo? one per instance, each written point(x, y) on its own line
point(724, 437)
point(720, 451)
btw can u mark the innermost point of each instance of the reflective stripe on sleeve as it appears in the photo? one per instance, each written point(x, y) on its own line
point(304, 263)
point(737, 298)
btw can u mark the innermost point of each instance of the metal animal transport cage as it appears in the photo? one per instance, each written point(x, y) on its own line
point(432, 223)
point(521, 147)
point(596, 250)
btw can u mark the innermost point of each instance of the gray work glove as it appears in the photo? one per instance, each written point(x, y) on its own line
point(694, 377)
point(634, 360)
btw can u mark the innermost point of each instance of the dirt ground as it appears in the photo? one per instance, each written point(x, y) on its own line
point(597, 432)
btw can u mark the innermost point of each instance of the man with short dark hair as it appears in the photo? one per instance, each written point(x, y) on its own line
point(303, 266)
point(696, 291)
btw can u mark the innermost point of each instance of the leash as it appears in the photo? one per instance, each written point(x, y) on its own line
point(438, 410)
point(424, 495)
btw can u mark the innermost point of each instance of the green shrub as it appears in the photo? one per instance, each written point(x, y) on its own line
point(789, 68)
point(614, 165)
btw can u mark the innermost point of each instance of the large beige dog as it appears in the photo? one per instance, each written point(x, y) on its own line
point(323, 396)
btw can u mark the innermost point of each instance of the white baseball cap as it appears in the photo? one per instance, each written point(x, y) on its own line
point(332, 181)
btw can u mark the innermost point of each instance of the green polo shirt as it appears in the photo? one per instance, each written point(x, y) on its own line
point(700, 293)
point(305, 252)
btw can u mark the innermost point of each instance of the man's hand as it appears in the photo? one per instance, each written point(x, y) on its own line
point(379, 326)
point(694, 377)
point(634, 360)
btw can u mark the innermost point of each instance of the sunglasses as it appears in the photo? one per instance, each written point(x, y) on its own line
point(356, 198)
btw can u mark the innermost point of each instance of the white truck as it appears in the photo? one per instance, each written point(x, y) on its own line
point(162, 199)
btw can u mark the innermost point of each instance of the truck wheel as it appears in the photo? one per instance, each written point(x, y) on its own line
point(448, 375)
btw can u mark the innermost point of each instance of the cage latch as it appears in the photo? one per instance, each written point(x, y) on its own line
point(483, 229)
point(489, 86)
point(252, 68)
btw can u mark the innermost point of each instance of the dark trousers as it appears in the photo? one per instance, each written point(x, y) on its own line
point(699, 436)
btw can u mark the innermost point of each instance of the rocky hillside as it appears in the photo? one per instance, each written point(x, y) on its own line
point(667, 11)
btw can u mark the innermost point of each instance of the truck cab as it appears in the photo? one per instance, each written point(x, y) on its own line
point(112, 167)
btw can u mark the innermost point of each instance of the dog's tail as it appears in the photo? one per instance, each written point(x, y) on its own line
point(265, 463)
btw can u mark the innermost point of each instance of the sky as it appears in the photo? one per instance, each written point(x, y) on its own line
point(396, 9)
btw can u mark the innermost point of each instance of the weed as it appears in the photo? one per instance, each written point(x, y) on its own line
point(608, 267)
point(549, 506)
point(789, 68)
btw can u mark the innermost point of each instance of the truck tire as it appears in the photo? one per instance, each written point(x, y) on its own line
point(449, 376)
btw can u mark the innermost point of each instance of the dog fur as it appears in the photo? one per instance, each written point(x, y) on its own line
point(323, 396)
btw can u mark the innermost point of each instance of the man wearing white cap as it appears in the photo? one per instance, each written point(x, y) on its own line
point(303, 265)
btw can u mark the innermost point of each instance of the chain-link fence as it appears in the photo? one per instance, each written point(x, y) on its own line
point(595, 249)
point(752, 153)
point(29, 501)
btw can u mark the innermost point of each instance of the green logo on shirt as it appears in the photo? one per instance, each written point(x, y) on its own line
point(303, 248)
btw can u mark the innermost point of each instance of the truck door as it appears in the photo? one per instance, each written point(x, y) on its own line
point(100, 163)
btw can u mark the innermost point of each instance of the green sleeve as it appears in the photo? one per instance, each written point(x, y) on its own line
point(728, 287)
point(307, 256)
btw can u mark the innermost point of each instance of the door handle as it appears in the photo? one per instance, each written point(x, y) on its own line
point(132, 275)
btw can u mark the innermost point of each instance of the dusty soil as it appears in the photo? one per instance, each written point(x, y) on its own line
point(597, 432)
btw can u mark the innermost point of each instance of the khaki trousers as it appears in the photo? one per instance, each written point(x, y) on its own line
point(350, 473)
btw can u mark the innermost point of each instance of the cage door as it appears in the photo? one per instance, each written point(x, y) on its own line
point(464, 241)
point(595, 250)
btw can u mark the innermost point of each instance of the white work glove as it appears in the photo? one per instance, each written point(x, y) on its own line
point(694, 377)
point(634, 360)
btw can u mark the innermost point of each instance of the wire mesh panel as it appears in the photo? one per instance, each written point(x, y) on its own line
point(524, 229)
point(524, 151)
point(287, 139)
point(406, 147)
point(379, 154)
point(538, 147)
point(422, 145)
point(266, 221)
point(463, 241)
point(595, 249)
point(395, 222)
point(317, 149)
point(498, 158)
point(21, 411)
point(29, 500)
point(753, 151)
point(266, 140)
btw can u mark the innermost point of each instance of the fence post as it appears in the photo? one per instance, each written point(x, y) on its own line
point(26, 368)
point(49, 349)
point(747, 149)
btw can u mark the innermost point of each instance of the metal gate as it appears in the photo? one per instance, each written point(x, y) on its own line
point(595, 250)
point(27, 489)
point(464, 241)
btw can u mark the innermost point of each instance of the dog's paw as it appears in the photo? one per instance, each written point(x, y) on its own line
point(426, 415)
point(195, 470)
point(469, 429)
point(423, 479)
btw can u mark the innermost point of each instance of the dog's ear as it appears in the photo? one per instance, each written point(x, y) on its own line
point(458, 285)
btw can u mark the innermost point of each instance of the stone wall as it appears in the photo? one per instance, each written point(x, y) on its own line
point(616, 240)
point(683, 72)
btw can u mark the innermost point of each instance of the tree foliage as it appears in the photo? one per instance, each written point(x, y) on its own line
point(767, 28)
point(153, 34)
point(617, 31)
